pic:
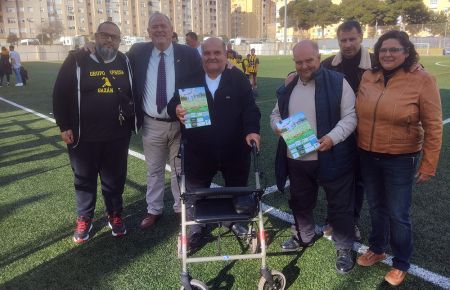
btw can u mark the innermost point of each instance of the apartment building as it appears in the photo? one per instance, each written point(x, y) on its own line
point(204, 17)
point(29, 18)
point(253, 19)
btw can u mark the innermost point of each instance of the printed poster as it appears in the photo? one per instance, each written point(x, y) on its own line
point(298, 135)
point(195, 103)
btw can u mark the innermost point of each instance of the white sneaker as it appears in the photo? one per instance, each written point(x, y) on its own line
point(19, 85)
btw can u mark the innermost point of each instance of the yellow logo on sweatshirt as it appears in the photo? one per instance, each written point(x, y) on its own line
point(106, 87)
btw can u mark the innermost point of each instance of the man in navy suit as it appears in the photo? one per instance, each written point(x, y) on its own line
point(158, 69)
point(225, 145)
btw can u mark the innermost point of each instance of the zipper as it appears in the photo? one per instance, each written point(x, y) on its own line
point(375, 117)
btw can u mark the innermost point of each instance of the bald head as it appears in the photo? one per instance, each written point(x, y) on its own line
point(306, 45)
point(214, 57)
point(214, 41)
point(306, 59)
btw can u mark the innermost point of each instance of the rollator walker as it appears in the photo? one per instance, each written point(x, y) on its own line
point(216, 205)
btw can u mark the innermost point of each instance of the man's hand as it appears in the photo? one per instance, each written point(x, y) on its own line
point(325, 143)
point(277, 131)
point(416, 66)
point(89, 47)
point(181, 113)
point(422, 177)
point(290, 78)
point(253, 137)
point(67, 136)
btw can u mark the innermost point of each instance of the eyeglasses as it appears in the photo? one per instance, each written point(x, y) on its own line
point(106, 36)
point(392, 50)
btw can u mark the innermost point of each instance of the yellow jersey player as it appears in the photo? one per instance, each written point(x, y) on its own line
point(252, 69)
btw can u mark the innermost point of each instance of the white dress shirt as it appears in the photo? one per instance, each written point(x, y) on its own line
point(152, 78)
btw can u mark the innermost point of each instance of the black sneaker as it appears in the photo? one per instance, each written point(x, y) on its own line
point(196, 241)
point(345, 261)
point(293, 244)
point(239, 230)
point(84, 226)
point(118, 228)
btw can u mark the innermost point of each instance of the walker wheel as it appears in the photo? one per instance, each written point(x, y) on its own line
point(196, 285)
point(279, 282)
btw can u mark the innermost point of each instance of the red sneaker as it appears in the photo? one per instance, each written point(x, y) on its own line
point(118, 228)
point(84, 226)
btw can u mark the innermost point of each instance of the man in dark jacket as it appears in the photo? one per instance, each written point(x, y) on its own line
point(225, 144)
point(159, 67)
point(328, 102)
point(94, 109)
point(352, 60)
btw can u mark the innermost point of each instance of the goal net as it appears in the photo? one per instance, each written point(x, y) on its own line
point(422, 48)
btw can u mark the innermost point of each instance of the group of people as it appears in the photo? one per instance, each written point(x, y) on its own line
point(248, 65)
point(9, 62)
point(101, 96)
point(395, 107)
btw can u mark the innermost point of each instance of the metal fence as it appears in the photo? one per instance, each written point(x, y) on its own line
point(429, 39)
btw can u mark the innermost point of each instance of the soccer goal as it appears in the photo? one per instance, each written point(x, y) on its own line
point(422, 48)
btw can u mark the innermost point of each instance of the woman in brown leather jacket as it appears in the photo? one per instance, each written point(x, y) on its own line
point(399, 139)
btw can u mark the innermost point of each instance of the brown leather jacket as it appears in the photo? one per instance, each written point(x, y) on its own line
point(403, 117)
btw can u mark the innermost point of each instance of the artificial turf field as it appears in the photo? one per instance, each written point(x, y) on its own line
point(37, 212)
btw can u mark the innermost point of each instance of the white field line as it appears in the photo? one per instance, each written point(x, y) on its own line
point(440, 63)
point(417, 271)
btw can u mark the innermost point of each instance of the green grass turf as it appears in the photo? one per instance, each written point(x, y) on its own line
point(37, 212)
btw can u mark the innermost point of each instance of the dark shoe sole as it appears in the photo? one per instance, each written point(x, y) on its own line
point(114, 234)
point(344, 272)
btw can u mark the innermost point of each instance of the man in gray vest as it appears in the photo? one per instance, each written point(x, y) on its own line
point(328, 102)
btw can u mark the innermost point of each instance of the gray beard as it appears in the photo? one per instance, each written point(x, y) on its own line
point(106, 53)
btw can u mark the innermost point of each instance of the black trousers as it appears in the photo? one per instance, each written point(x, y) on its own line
point(359, 193)
point(107, 159)
point(235, 173)
point(303, 176)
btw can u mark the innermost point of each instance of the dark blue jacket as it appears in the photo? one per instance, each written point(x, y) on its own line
point(340, 158)
point(234, 114)
point(187, 67)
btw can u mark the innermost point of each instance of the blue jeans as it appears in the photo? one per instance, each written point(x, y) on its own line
point(18, 75)
point(388, 182)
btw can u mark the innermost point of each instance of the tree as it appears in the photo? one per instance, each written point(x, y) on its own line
point(299, 13)
point(44, 38)
point(438, 23)
point(324, 13)
point(304, 14)
point(12, 38)
point(53, 30)
point(364, 11)
point(412, 11)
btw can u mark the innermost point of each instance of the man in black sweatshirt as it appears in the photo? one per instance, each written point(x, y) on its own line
point(94, 109)
point(352, 60)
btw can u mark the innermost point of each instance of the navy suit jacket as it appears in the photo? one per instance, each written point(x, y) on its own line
point(187, 67)
point(234, 114)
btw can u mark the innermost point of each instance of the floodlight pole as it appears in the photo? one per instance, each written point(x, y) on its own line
point(285, 27)
point(445, 33)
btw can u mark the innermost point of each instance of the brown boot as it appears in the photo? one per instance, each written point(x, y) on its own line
point(370, 258)
point(395, 277)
